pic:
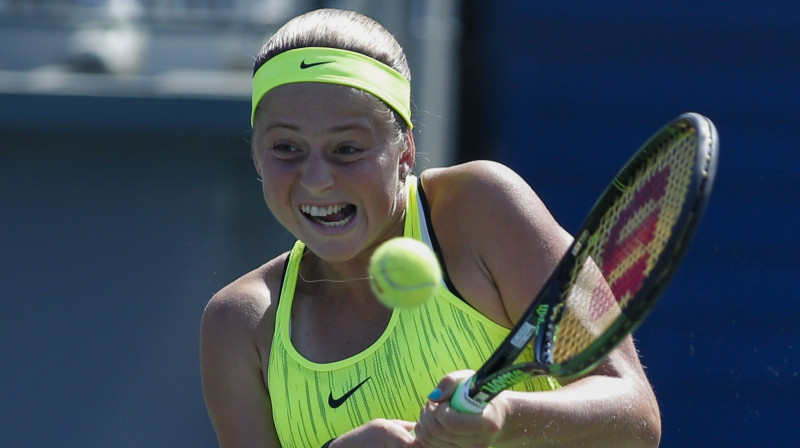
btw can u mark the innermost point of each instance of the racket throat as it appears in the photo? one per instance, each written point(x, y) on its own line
point(548, 316)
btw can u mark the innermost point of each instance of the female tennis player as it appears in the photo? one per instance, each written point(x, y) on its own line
point(299, 352)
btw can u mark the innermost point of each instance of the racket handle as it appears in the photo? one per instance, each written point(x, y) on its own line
point(462, 402)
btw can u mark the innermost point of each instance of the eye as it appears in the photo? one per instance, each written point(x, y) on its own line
point(348, 150)
point(284, 150)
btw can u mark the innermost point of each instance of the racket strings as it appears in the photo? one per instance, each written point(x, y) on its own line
point(623, 249)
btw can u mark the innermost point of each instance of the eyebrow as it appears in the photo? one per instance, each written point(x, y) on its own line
point(356, 125)
point(279, 124)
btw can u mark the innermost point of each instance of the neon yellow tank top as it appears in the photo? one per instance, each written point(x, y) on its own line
point(313, 403)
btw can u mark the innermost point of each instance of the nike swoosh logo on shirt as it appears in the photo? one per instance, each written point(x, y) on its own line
point(336, 402)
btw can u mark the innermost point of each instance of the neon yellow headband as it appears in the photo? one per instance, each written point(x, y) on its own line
point(334, 66)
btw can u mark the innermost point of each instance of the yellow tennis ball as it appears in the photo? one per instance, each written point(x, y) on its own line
point(404, 273)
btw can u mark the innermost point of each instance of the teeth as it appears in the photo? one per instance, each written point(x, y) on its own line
point(319, 212)
point(315, 210)
point(336, 224)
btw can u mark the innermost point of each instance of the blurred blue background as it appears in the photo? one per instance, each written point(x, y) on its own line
point(128, 196)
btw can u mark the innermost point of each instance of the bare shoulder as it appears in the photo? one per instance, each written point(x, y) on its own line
point(499, 240)
point(479, 174)
point(490, 183)
point(491, 196)
point(245, 307)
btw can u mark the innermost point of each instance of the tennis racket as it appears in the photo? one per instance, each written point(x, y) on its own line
point(622, 259)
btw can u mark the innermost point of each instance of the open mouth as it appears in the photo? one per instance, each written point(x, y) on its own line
point(335, 215)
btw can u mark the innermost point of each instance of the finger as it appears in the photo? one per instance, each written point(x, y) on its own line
point(404, 423)
point(440, 421)
point(447, 385)
point(426, 435)
point(408, 426)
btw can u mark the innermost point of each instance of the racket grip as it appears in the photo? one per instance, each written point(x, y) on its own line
point(462, 402)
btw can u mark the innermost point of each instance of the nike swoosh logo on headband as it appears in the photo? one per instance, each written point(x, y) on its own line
point(304, 66)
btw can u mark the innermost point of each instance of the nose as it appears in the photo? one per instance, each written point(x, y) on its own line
point(316, 175)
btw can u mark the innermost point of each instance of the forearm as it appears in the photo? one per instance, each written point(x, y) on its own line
point(597, 411)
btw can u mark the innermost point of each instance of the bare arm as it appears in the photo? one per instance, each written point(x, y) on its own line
point(236, 396)
point(612, 407)
point(600, 410)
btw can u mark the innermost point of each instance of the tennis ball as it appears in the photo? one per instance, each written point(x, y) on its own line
point(404, 273)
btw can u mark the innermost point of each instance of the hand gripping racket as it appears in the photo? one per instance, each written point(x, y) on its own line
point(622, 259)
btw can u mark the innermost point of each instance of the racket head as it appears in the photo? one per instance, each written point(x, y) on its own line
point(625, 253)
point(631, 245)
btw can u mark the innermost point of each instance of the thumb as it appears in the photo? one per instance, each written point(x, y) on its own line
point(447, 385)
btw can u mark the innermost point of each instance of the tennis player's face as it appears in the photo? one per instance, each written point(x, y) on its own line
point(330, 173)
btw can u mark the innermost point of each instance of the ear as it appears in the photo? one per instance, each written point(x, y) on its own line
point(408, 155)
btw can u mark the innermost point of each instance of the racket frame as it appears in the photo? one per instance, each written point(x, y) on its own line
point(539, 324)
